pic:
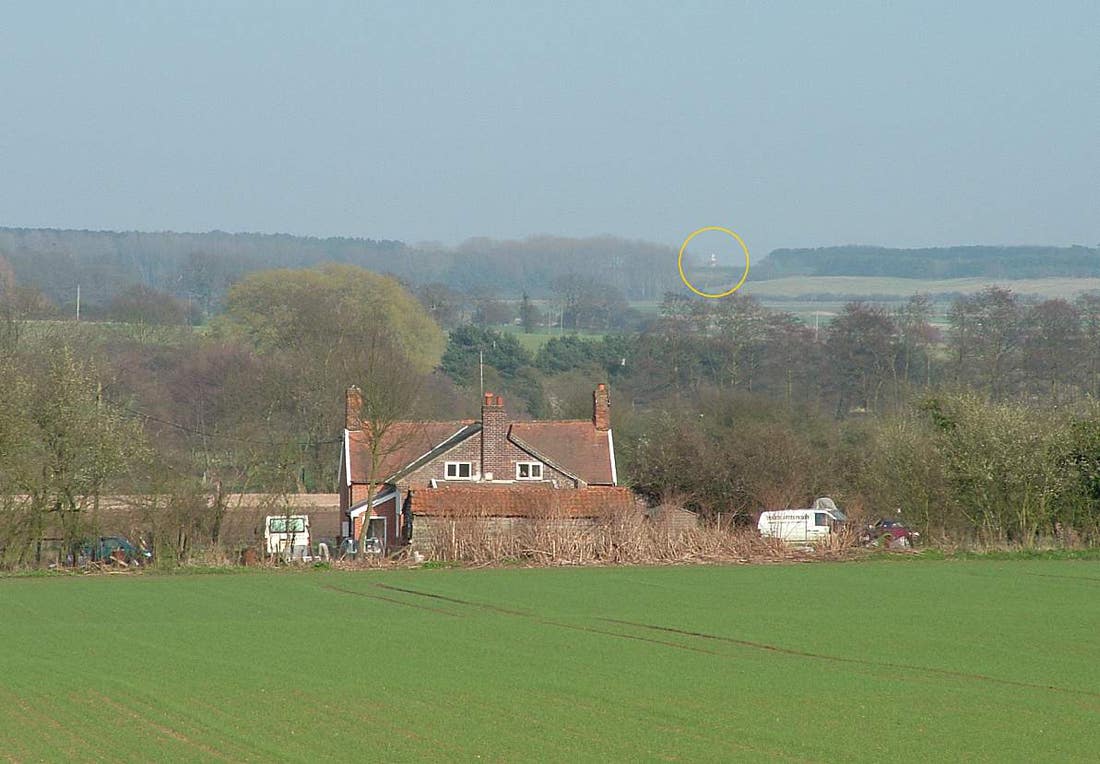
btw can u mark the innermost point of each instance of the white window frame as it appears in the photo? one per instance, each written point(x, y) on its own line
point(531, 466)
point(367, 520)
point(457, 465)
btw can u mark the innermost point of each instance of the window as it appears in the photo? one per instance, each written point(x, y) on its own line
point(820, 519)
point(287, 525)
point(459, 470)
point(528, 470)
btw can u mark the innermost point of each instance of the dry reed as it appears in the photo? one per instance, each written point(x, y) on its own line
point(622, 538)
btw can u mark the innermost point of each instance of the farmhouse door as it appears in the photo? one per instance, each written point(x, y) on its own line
point(376, 529)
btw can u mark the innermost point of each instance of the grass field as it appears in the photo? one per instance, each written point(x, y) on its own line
point(816, 299)
point(918, 660)
point(875, 287)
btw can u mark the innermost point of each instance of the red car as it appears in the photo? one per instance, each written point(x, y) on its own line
point(890, 534)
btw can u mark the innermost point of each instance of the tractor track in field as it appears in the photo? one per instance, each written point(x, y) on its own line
point(161, 729)
point(856, 661)
point(1082, 579)
point(547, 622)
point(719, 638)
point(633, 637)
point(391, 600)
point(455, 600)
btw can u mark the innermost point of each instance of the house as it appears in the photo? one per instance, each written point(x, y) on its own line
point(492, 468)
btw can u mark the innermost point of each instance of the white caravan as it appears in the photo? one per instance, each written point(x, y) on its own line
point(802, 525)
point(287, 536)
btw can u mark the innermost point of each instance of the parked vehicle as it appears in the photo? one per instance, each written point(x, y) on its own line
point(889, 533)
point(802, 525)
point(117, 548)
point(287, 537)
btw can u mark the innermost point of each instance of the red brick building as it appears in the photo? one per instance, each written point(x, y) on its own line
point(489, 468)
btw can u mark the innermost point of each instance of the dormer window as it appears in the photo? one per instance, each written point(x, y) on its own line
point(528, 470)
point(459, 470)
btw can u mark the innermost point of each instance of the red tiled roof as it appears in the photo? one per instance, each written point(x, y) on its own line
point(403, 443)
point(487, 500)
point(576, 446)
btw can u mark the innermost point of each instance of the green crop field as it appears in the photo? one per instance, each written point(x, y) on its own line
point(917, 659)
point(816, 299)
point(876, 287)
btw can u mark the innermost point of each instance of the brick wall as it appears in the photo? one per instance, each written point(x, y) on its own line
point(353, 408)
point(494, 437)
point(470, 450)
point(359, 492)
point(673, 518)
point(601, 408)
point(388, 510)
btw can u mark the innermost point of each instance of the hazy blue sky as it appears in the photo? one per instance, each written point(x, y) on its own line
point(794, 124)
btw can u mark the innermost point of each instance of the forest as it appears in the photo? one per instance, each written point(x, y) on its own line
point(985, 428)
point(198, 269)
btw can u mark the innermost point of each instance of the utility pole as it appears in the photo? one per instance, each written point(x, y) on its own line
point(481, 370)
point(78, 303)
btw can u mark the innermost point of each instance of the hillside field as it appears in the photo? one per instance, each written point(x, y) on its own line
point(816, 299)
point(875, 287)
point(914, 659)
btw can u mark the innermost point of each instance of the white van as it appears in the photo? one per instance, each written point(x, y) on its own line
point(287, 536)
point(802, 525)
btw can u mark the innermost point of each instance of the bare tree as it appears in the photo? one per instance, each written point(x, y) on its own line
point(860, 352)
point(986, 330)
point(386, 397)
point(1051, 346)
point(915, 337)
point(1089, 307)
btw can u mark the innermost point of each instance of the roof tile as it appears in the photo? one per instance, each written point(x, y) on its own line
point(403, 443)
point(577, 446)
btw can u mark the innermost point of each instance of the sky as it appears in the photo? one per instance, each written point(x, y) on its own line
point(793, 124)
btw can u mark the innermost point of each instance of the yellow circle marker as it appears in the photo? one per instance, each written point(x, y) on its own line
point(680, 262)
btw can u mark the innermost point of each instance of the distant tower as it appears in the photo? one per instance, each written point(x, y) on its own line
point(713, 260)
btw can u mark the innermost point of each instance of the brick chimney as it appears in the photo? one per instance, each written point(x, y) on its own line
point(353, 409)
point(494, 433)
point(601, 408)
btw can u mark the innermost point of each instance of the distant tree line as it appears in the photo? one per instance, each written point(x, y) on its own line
point(199, 269)
point(590, 278)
